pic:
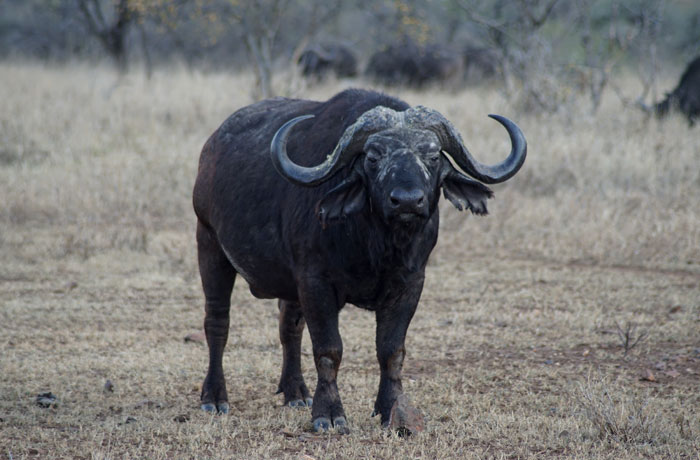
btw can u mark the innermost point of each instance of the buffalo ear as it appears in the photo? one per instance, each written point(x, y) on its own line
point(463, 192)
point(348, 197)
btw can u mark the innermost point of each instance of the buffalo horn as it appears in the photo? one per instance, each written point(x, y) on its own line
point(452, 143)
point(381, 118)
point(349, 145)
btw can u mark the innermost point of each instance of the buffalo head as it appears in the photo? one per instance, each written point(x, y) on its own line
point(399, 162)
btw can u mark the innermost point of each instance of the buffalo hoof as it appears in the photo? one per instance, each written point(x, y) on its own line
point(220, 408)
point(341, 425)
point(301, 403)
point(323, 424)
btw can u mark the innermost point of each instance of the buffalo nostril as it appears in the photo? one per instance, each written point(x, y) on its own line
point(407, 199)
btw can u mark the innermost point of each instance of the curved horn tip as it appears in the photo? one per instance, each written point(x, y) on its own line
point(502, 120)
point(509, 125)
point(278, 151)
point(282, 131)
point(296, 120)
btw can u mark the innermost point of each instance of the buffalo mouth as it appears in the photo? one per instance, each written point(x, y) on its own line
point(407, 222)
point(408, 217)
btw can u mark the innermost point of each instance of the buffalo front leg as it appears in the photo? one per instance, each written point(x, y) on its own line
point(217, 282)
point(291, 322)
point(320, 308)
point(392, 323)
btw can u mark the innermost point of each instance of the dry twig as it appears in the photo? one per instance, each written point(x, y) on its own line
point(626, 336)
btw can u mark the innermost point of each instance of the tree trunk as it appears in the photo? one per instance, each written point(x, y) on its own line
point(261, 55)
point(112, 36)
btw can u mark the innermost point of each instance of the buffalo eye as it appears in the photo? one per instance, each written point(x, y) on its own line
point(372, 158)
point(430, 152)
point(433, 157)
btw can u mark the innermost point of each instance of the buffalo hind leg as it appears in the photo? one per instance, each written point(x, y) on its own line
point(320, 308)
point(218, 276)
point(291, 325)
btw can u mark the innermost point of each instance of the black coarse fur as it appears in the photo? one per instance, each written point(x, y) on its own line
point(686, 96)
point(318, 248)
point(247, 193)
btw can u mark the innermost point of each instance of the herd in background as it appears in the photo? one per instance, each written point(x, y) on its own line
point(405, 63)
point(409, 64)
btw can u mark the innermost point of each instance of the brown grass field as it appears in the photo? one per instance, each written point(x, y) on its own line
point(514, 352)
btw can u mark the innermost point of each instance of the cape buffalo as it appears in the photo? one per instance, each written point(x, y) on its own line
point(319, 204)
point(320, 60)
point(686, 96)
point(410, 64)
point(479, 64)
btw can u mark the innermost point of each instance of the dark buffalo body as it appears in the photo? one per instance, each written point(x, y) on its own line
point(686, 96)
point(410, 64)
point(265, 222)
point(341, 208)
point(479, 63)
point(320, 60)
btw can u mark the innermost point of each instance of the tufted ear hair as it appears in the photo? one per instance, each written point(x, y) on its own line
point(345, 199)
point(463, 192)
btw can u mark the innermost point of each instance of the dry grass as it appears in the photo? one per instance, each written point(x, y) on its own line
point(514, 352)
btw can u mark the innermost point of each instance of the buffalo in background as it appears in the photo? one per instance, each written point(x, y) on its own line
point(410, 64)
point(405, 63)
point(686, 96)
point(479, 63)
point(320, 60)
